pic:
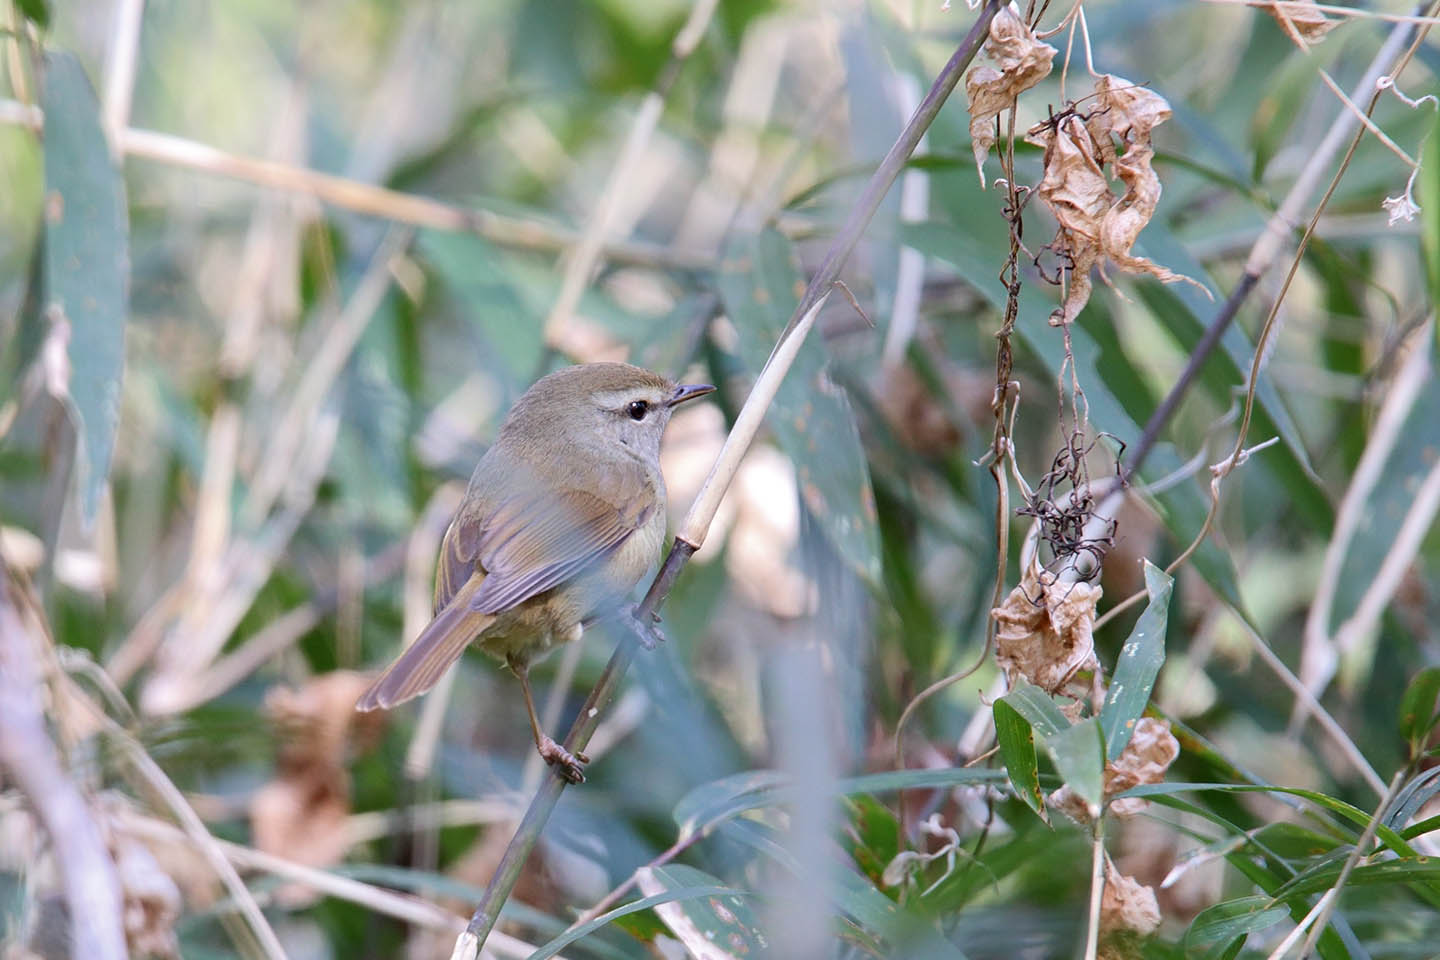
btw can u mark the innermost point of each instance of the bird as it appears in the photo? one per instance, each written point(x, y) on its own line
point(562, 516)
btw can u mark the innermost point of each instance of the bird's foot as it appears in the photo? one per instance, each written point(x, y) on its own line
point(644, 625)
point(567, 764)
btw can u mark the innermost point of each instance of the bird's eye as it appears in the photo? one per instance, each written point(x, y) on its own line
point(638, 409)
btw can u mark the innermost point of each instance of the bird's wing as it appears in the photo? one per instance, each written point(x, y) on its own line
point(536, 541)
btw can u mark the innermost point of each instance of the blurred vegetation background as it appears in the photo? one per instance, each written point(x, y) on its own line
point(341, 252)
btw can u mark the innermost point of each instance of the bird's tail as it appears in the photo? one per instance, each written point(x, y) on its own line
point(425, 661)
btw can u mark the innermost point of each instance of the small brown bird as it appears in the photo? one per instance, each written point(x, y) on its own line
point(563, 515)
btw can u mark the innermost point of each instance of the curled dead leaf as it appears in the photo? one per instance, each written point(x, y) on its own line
point(302, 813)
point(1043, 629)
point(1301, 18)
point(1127, 904)
point(151, 900)
point(1023, 62)
point(1125, 111)
point(1151, 750)
point(1094, 225)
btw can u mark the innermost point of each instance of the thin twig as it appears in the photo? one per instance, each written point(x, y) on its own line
point(695, 526)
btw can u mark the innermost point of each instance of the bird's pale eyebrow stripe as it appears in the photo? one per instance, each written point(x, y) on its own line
point(614, 399)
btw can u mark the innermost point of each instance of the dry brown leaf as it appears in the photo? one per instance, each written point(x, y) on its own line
point(1127, 904)
point(302, 813)
point(1077, 193)
point(1043, 629)
point(1151, 750)
point(1124, 111)
point(1023, 62)
point(151, 900)
point(1310, 24)
point(1095, 226)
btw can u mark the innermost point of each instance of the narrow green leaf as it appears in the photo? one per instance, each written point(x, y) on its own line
point(730, 796)
point(1418, 715)
point(1357, 817)
point(1138, 664)
point(1412, 798)
point(716, 925)
point(86, 265)
point(811, 415)
point(1233, 918)
point(1037, 707)
point(673, 895)
point(1403, 870)
point(719, 798)
point(1388, 503)
point(484, 287)
point(1428, 184)
point(1079, 755)
point(36, 11)
point(1017, 752)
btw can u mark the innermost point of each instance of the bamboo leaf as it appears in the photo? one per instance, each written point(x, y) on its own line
point(1017, 752)
point(86, 266)
point(1138, 664)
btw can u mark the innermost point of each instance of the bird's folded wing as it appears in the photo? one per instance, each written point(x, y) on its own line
point(534, 543)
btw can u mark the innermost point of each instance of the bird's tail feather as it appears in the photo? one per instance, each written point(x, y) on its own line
point(425, 661)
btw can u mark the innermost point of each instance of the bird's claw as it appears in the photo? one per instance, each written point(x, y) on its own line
point(567, 764)
point(644, 625)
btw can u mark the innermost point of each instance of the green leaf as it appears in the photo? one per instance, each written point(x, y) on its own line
point(720, 924)
point(1037, 707)
point(676, 894)
point(1078, 750)
point(482, 280)
point(1418, 714)
point(873, 837)
point(725, 797)
point(1412, 798)
point(1428, 183)
point(1402, 870)
point(857, 896)
point(1017, 752)
point(1388, 502)
point(1138, 664)
point(1226, 921)
point(86, 265)
point(721, 799)
point(810, 416)
point(1079, 755)
point(1359, 818)
point(36, 11)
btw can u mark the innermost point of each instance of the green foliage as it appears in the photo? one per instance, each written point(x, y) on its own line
point(86, 266)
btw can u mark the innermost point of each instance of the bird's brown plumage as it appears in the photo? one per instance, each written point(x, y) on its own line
point(562, 516)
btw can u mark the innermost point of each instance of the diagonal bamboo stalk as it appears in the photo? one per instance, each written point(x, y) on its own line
point(697, 521)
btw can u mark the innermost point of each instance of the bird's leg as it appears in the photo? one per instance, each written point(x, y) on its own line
point(567, 764)
point(644, 625)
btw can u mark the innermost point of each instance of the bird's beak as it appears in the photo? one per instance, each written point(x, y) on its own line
point(689, 391)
